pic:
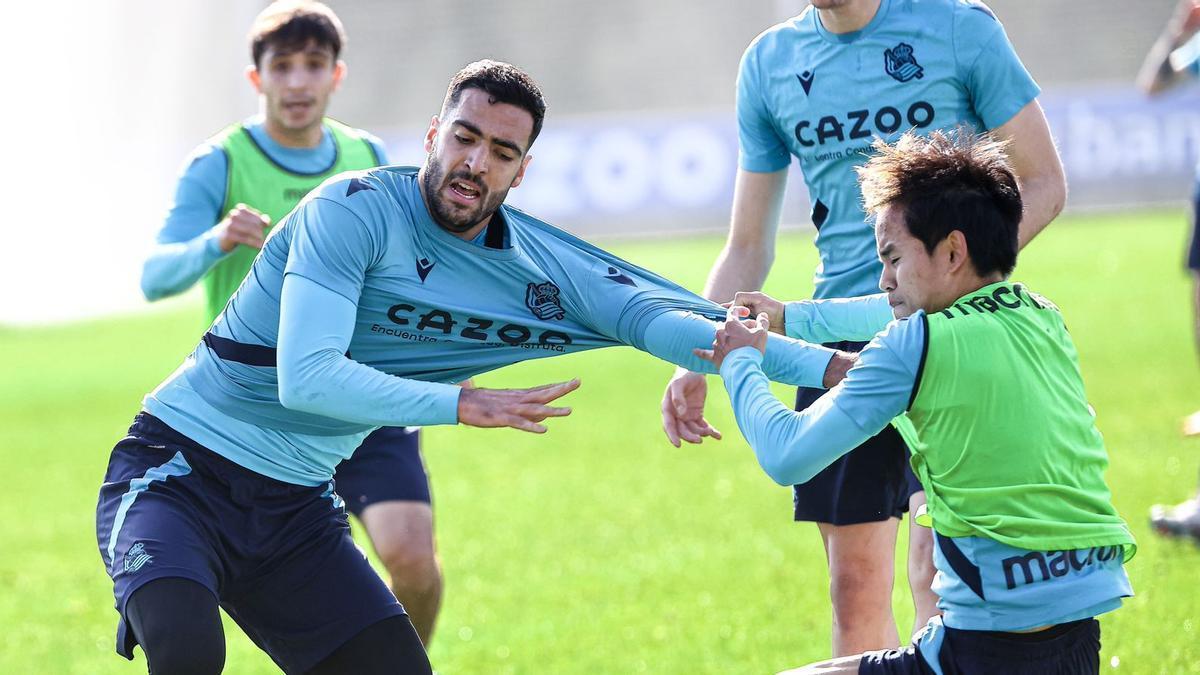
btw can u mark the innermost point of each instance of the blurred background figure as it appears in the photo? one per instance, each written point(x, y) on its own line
point(1175, 59)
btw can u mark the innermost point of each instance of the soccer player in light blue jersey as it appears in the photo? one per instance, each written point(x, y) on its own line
point(247, 178)
point(367, 303)
point(981, 376)
point(1173, 60)
point(820, 87)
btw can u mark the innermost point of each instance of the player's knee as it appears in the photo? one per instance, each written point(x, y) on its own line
point(409, 564)
point(854, 588)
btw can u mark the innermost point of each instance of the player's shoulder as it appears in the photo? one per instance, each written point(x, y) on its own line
point(964, 8)
point(899, 333)
point(353, 133)
point(209, 159)
point(784, 33)
point(367, 188)
point(956, 18)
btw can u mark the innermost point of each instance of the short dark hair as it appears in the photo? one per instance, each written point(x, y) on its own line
point(289, 25)
point(503, 83)
point(949, 181)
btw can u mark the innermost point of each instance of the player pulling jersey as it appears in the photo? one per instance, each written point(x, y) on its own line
point(989, 396)
point(431, 309)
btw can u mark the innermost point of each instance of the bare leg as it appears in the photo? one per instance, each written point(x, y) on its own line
point(402, 533)
point(1191, 423)
point(861, 573)
point(920, 566)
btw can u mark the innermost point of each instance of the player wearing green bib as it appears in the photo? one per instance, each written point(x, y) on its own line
point(235, 188)
point(981, 377)
point(273, 189)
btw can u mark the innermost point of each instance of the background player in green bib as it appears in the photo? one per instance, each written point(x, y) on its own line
point(983, 380)
point(925, 65)
point(255, 172)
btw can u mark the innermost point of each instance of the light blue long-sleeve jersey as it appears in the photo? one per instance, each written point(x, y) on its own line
point(824, 97)
point(981, 584)
point(370, 310)
point(186, 246)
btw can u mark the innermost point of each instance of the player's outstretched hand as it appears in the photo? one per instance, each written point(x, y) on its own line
point(517, 408)
point(737, 332)
point(760, 303)
point(683, 409)
point(243, 225)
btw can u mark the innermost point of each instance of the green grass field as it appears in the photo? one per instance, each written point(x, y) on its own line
point(599, 548)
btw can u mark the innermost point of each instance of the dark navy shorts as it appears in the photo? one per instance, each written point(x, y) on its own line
point(1066, 649)
point(386, 467)
point(278, 557)
point(871, 483)
point(1193, 252)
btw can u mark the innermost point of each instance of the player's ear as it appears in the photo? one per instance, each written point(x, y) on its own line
point(255, 79)
point(521, 171)
point(956, 250)
point(431, 134)
point(339, 73)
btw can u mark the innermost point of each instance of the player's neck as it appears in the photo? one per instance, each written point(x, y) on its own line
point(964, 286)
point(306, 138)
point(850, 17)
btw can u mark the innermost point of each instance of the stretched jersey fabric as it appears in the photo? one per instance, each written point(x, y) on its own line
point(241, 164)
point(1002, 438)
point(422, 305)
point(823, 97)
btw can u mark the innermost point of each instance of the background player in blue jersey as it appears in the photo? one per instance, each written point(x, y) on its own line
point(378, 293)
point(255, 172)
point(982, 377)
point(1174, 59)
point(820, 87)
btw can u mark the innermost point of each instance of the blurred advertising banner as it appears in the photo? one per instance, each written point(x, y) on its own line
point(626, 173)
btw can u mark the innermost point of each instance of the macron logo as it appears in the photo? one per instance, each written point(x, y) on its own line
point(806, 80)
point(357, 185)
point(424, 267)
point(618, 276)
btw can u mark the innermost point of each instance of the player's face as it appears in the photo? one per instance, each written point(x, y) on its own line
point(912, 277)
point(296, 86)
point(477, 152)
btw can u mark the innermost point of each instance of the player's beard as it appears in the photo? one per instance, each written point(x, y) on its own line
point(446, 215)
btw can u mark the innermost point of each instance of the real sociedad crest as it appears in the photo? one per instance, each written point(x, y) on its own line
point(900, 63)
point(136, 557)
point(542, 300)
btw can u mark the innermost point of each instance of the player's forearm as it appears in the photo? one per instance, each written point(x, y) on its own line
point(173, 268)
point(315, 376)
point(1156, 74)
point(791, 447)
point(673, 335)
point(739, 267)
point(324, 382)
point(750, 250)
point(834, 320)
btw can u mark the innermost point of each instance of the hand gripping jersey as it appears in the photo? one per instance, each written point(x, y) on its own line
point(430, 307)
